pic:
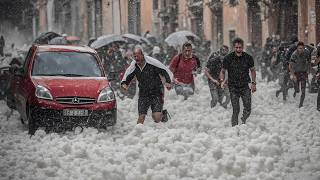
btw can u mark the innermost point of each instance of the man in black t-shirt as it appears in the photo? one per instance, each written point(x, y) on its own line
point(212, 71)
point(238, 64)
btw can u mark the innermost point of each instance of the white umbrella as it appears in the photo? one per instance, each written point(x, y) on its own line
point(180, 37)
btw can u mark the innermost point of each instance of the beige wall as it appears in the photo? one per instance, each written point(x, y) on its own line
point(235, 18)
point(146, 16)
point(107, 17)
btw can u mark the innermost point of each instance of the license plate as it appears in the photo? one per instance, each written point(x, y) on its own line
point(75, 112)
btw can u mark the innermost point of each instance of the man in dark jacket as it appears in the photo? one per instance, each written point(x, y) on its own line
point(299, 66)
point(238, 64)
point(212, 71)
point(148, 72)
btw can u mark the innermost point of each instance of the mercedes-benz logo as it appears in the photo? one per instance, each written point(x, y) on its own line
point(75, 100)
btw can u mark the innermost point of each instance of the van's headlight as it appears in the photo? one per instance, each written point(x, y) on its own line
point(106, 95)
point(43, 93)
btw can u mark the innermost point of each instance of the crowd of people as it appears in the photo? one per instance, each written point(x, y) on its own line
point(230, 72)
point(292, 64)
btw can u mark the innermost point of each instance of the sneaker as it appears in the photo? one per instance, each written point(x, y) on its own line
point(243, 121)
point(277, 93)
point(165, 116)
point(300, 105)
point(211, 104)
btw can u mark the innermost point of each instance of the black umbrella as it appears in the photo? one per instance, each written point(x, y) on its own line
point(44, 38)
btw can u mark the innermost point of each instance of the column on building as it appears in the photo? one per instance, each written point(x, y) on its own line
point(216, 23)
point(303, 20)
point(196, 14)
point(107, 17)
point(42, 8)
point(83, 21)
point(146, 19)
point(134, 14)
point(155, 19)
point(307, 20)
point(235, 22)
point(183, 15)
point(254, 23)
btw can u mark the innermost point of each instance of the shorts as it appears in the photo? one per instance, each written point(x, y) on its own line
point(301, 76)
point(144, 102)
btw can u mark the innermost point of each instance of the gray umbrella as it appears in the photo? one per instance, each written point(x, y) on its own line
point(180, 37)
point(136, 38)
point(106, 40)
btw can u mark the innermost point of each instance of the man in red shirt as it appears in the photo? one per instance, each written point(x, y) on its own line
point(183, 67)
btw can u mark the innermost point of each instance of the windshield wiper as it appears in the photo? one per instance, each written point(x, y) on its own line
point(67, 75)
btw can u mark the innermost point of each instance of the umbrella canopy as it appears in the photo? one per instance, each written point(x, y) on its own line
point(44, 38)
point(106, 40)
point(135, 39)
point(180, 37)
point(58, 40)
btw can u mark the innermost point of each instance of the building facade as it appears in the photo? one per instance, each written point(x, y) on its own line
point(217, 21)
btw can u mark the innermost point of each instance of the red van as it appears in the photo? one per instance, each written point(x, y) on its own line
point(60, 87)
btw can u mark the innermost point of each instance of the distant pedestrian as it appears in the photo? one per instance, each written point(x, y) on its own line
point(238, 64)
point(2, 45)
point(299, 66)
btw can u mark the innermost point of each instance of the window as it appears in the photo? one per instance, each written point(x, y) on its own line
point(155, 4)
point(70, 64)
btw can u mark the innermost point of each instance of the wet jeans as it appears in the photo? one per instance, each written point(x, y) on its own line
point(284, 85)
point(235, 94)
point(301, 82)
point(217, 95)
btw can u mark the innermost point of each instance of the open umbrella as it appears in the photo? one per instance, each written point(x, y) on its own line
point(135, 39)
point(180, 37)
point(106, 40)
point(44, 38)
point(58, 41)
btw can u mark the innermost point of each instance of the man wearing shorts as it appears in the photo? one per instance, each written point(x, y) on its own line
point(148, 72)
